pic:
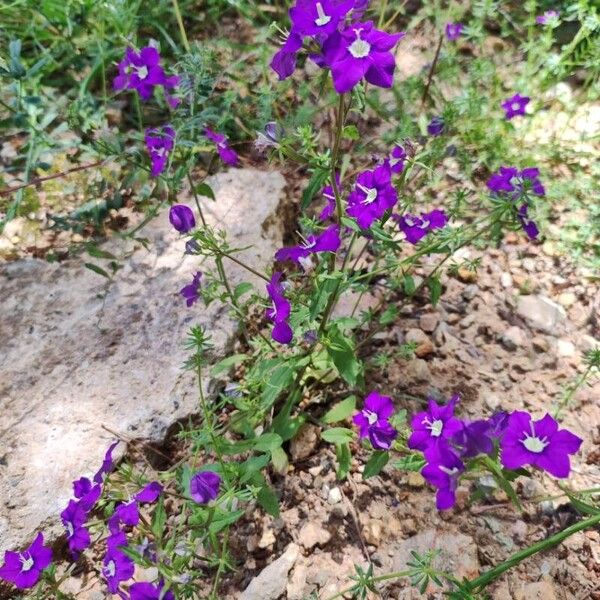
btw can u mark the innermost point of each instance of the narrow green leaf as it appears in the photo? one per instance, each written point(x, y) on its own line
point(223, 366)
point(280, 461)
point(435, 289)
point(97, 269)
point(203, 189)
point(338, 435)
point(241, 289)
point(267, 442)
point(340, 411)
point(375, 464)
point(344, 457)
point(267, 498)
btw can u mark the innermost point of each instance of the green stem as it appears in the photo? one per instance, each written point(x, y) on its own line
point(432, 70)
point(570, 393)
point(482, 581)
point(395, 575)
point(182, 32)
point(196, 199)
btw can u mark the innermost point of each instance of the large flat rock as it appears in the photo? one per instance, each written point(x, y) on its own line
point(78, 357)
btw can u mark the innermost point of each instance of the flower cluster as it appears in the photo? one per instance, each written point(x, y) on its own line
point(416, 228)
point(516, 185)
point(353, 51)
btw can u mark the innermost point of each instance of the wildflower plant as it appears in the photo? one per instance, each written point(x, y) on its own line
point(358, 200)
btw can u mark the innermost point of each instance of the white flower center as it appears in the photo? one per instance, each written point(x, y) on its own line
point(322, 19)
point(412, 221)
point(359, 48)
point(70, 529)
point(329, 196)
point(516, 106)
point(394, 161)
point(370, 416)
point(26, 562)
point(160, 151)
point(142, 72)
point(435, 428)
point(533, 443)
point(110, 569)
point(453, 471)
point(371, 193)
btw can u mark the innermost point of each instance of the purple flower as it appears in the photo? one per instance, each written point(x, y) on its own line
point(327, 241)
point(149, 591)
point(126, 513)
point(510, 180)
point(81, 487)
point(498, 424)
point(538, 443)
point(159, 143)
point(515, 106)
point(284, 60)
point(529, 225)
point(443, 471)
point(453, 31)
point(24, 569)
point(436, 126)
point(372, 196)
point(434, 427)
point(107, 464)
point(117, 567)
point(142, 72)
point(228, 156)
point(280, 311)
point(149, 493)
point(360, 51)
point(204, 486)
point(473, 438)
point(270, 137)
point(310, 18)
point(191, 292)
point(415, 228)
point(182, 218)
point(88, 501)
point(397, 159)
point(73, 518)
point(373, 421)
point(548, 17)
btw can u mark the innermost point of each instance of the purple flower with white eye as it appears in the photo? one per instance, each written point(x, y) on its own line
point(436, 126)
point(182, 218)
point(284, 60)
point(149, 591)
point(373, 194)
point(473, 438)
point(227, 154)
point(397, 159)
point(127, 513)
point(204, 486)
point(159, 144)
point(550, 17)
point(310, 18)
point(453, 31)
point(191, 292)
point(23, 569)
point(327, 241)
point(373, 421)
point(416, 228)
point(433, 428)
point(443, 471)
point(107, 464)
point(73, 518)
point(515, 106)
point(142, 72)
point(538, 443)
point(280, 311)
point(117, 566)
point(360, 52)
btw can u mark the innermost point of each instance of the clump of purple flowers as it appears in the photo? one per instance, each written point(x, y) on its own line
point(515, 106)
point(373, 194)
point(516, 186)
point(416, 228)
point(141, 71)
point(159, 144)
point(373, 421)
point(453, 31)
point(279, 313)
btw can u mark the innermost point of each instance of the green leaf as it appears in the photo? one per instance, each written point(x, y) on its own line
point(223, 366)
point(344, 457)
point(389, 315)
point(241, 289)
point(203, 189)
point(351, 132)
point(159, 519)
point(409, 285)
point(317, 180)
point(412, 462)
point(252, 465)
point(267, 442)
point(341, 350)
point(267, 498)
point(97, 269)
point(276, 381)
point(338, 435)
point(287, 427)
point(280, 461)
point(340, 411)
point(435, 289)
point(96, 252)
point(223, 519)
point(375, 464)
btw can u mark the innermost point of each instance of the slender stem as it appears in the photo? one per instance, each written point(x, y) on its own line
point(197, 200)
point(182, 32)
point(570, 393)
point(213, 593)
point(483, 580)
point(244, 265)
point(432, 70)
point(382, 11)
point(138, 111)
point(395, 575)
